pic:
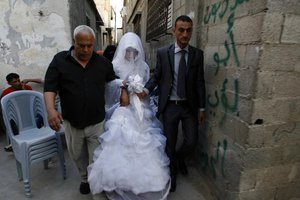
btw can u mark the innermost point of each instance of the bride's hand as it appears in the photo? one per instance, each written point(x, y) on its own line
point(124, 82)
point(141, 95)
point(124, 98)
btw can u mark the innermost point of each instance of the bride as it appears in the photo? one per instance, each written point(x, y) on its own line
point(130, 163)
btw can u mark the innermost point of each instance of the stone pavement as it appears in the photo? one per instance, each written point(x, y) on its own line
point(49, 184)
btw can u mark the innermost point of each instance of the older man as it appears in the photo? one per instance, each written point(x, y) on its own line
point(79, 76)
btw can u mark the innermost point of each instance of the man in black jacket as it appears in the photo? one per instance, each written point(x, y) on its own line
point(181, 98)
point(79, 76)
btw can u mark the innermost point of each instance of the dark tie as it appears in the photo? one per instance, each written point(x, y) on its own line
point(181, 75)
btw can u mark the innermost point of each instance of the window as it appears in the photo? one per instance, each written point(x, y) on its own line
point(88, 20)
point(137, 24)
point(159, 18)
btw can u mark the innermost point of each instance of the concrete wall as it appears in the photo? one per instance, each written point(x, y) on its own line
point(272, 161)
point(79, 11)
point(252, 73)
point(104, 8)
point(31, 32)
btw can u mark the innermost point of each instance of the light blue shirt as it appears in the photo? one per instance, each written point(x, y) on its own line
point(177, 56)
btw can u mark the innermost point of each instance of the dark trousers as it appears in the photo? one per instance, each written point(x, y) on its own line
point(172, 115)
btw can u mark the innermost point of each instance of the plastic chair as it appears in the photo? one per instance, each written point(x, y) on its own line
point(32, 139)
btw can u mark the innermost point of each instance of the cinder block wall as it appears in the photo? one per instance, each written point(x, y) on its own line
point(252, 73)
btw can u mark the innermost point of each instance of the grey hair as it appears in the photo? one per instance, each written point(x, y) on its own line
point(83, 29)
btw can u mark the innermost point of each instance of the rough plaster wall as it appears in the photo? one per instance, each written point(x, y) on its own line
point(31, 33)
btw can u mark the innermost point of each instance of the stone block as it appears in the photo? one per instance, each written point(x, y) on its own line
point(248, 29)
point(265, 82)
point(230, 195)
point(272, 27)
point(280, 57)
point(212, 78)
point(209, 52)
point(275, 110)
point(262, 157)
point(291, 29)
point(217, 34)
point(256, 136)
point(275, 176)
point(291, 154)
point(289, 191)
point(232, 169)
point(252, 56)
point(287, 6)
point(282, 134)
point(251, 7)
point(241, 133)
point(286, 84)
point(262, 194)
point(244, 78)
point(248, 180)
point(245, 108)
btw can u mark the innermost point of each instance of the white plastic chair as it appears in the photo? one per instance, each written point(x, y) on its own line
point(32, 139)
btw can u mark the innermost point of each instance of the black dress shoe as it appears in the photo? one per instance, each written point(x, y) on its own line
point(173, 183)
point(8, 148)
point(84, 188)
point(182, 167)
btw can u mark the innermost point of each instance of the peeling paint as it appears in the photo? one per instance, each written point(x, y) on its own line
point(29, 40)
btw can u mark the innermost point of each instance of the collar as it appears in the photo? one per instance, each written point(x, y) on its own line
point(70, 53)
point(177, 48)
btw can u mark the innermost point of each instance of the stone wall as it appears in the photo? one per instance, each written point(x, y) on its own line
point(253, 115)
point(272, 161)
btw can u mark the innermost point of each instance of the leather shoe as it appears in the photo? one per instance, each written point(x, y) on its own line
point(182, 167)
point(84, 188)
point(173, 183)
point(8, 148)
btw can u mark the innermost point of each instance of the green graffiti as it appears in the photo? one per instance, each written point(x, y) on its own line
point(214, 10)
point(222, 13)
point(236, 58)
point(227, 107)
point(224, 100)
point(214, 160)
point(224, 60)
point(230, 49)
point(211, 13)
point(210, 103)
point(230, 22)
point(236, 3)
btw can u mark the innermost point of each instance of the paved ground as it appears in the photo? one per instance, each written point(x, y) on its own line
point(48, 184)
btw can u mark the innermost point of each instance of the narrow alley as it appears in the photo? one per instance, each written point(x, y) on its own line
point(48, 184)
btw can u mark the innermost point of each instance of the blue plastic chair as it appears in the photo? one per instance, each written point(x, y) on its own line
point(32, 139)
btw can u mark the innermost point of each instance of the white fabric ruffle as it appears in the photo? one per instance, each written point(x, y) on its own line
point(131, 162)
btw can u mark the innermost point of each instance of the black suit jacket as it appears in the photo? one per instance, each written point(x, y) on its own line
point(163, 77)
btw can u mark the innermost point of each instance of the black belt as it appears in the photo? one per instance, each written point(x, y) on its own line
point(178, 102)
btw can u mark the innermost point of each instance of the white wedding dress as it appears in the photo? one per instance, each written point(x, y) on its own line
point(130, 163)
